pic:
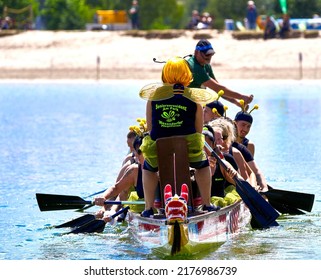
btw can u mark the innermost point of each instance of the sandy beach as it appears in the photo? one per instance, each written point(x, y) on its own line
point(114, 55)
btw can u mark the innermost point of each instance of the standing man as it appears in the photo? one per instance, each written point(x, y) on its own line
point(134, 15)
point(203, 75)
point(251, 15)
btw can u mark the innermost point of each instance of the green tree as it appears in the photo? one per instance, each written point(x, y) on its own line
point(17, 4)
point(160, 14)
point(65, 14)
point(303, 8)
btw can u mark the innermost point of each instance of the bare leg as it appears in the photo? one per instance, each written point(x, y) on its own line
point(203, 180)
point(150, 182)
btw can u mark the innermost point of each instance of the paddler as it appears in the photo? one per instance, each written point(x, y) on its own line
point(128, 187)
point(243, 121)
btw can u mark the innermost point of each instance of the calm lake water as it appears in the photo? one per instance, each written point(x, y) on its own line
point(70, 138)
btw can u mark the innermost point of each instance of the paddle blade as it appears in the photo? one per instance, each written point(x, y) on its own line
point(78, 221)
point(303, 201)
point(51, 202)
point(263, 213)
point(286, 209)
point(97, 225)
point(90, 227)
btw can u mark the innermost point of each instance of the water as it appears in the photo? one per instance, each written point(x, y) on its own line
point(70, 138)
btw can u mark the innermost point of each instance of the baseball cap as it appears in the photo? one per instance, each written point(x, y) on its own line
point(205, 47)
point(218, 106)
point(243, 116)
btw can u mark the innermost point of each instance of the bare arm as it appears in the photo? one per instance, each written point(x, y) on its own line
point(228, 93)
point(259, 176)
point(230, 173)
point(241, 163)
point(126, 181)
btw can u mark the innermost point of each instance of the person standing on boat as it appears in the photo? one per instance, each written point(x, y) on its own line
point(173, 109)
point(203, 75)
point(129, 185)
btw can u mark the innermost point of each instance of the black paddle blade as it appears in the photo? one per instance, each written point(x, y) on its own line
point(97, 225)
point(90, 227)
point(263, 213)
point(286, 209)
point(303, 201)
point(78, 221)
point(51, 202)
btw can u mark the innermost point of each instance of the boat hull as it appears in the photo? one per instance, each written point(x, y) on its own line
point(204, 230)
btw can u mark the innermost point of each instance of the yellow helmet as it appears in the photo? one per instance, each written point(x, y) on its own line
point(177, 71)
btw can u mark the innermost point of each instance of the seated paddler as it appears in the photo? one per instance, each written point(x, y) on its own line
point(128, 187)
point(174, 109)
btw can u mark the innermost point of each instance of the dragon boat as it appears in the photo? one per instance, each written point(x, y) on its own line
point(180, 228)
point(200, 231)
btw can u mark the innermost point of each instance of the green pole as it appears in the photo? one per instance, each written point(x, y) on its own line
point(283, 6)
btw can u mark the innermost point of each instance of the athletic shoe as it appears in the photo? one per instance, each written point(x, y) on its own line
point(147, 213)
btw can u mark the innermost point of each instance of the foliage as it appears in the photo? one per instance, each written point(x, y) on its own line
point(157, 14)
point(17, 4)
point(65, 14)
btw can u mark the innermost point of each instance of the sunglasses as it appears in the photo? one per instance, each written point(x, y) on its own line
point(207, 55)
point(224, 137)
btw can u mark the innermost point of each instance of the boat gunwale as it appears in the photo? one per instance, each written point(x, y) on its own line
point(192, 219)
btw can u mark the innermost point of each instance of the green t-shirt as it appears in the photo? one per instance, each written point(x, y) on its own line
point(201, 74)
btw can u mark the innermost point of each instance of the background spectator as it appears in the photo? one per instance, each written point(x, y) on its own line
point(134, 15)
point(205, 22)
point(6, 23)
point(251, 15)
point(195, 19)
point(285, 26)
point(270, 29)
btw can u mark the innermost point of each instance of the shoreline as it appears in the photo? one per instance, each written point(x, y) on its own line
point(137, 74)
point(115, 55)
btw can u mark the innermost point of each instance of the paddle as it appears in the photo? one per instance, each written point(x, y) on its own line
point(286, 209)
point(88, 206)
point(263, 213)
point(96, 225)
point(93, 194)
point(78, 221)
point(50, 202)
point(303, 201)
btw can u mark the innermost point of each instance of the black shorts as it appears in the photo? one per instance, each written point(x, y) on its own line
point(196, 165)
